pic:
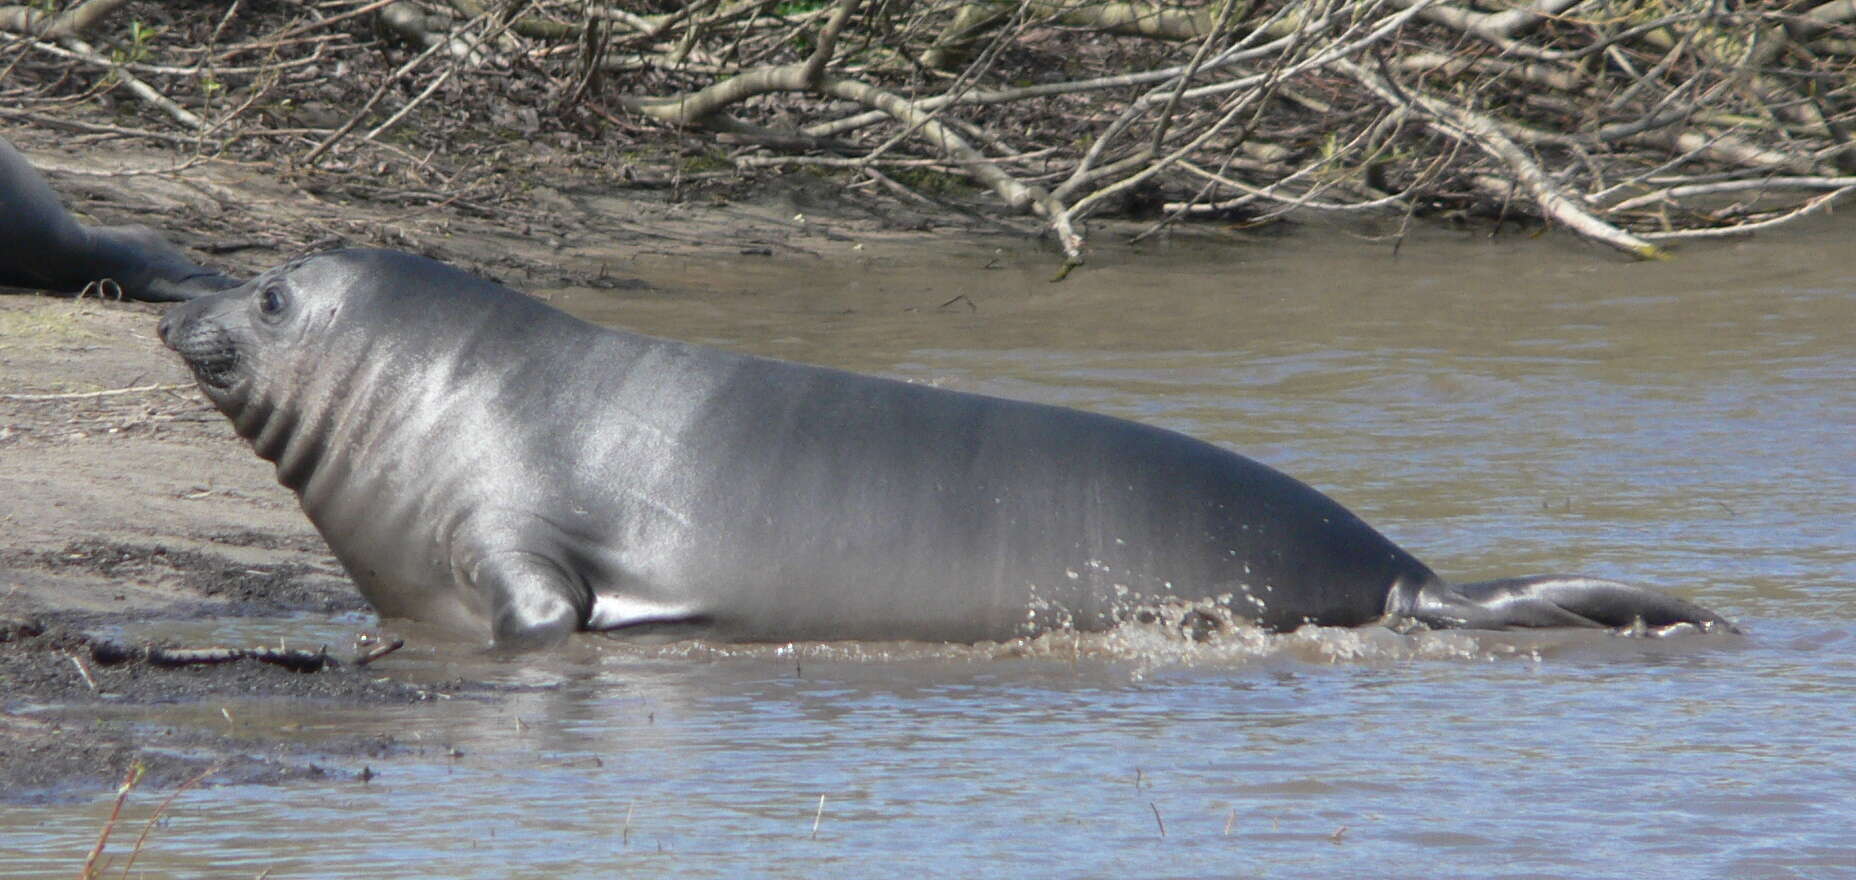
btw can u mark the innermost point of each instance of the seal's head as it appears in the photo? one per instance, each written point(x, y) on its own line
point(231, 340)
point(279, 354)
point(348, 337)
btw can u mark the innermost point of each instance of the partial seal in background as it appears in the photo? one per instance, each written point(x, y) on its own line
point(479, 459)
point(42, 247)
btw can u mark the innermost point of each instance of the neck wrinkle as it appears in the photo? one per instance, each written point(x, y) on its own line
point(291, 423)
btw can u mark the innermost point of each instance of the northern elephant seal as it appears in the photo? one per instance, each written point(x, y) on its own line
point(477, 458)
point(42, 247)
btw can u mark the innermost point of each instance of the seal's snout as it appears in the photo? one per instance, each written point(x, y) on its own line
point(206, 346)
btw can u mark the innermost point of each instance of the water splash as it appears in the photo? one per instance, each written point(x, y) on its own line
point(1149, 646)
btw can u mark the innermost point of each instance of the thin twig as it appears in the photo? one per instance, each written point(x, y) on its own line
point(86, 395)
point(83, 671)
point(1808, 208)
point(91, 867)
point(156, 815)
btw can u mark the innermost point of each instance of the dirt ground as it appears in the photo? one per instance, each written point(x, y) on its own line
point(125, 498)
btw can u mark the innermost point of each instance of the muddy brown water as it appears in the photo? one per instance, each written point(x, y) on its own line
point(1496, 406)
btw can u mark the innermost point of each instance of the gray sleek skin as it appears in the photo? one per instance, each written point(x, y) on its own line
point(42, 247)
point(479, 459)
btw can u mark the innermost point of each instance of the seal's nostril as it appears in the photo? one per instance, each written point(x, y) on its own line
point(161, 329)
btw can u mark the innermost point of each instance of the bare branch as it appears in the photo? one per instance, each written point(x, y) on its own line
point(1486, 135)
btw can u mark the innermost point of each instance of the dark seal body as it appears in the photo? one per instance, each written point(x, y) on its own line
point(478, 458)
point(42, 247)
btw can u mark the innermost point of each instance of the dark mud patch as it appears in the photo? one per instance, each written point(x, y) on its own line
point(54, 663)
point(81, 706)
point(250, 588)
point(265, 541)
point(80, 710)
point(54, 760)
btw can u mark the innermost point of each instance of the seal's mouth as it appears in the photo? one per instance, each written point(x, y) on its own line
point(206, 347)
point(215, 370)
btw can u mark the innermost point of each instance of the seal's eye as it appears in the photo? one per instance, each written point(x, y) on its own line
point(271, 302)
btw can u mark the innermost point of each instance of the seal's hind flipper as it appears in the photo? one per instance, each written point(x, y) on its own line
point(43, 247)
point(148, 266)
point(1556, 601)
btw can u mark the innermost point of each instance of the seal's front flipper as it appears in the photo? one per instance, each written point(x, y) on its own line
point(533, 603)
point(1555, 601)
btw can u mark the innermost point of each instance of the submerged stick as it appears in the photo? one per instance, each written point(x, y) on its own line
point(293, 659)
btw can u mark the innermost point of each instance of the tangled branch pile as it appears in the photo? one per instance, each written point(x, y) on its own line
point(1631, 122)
